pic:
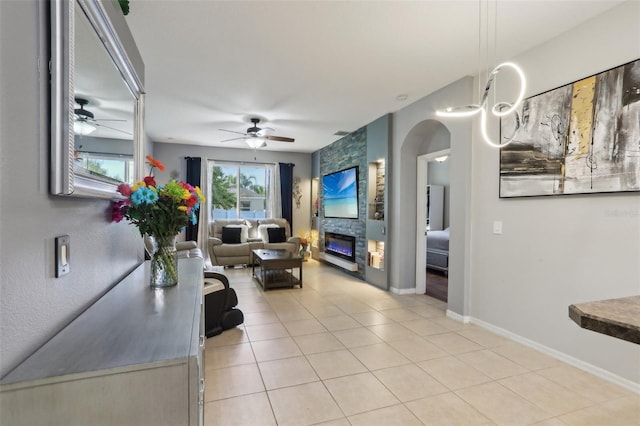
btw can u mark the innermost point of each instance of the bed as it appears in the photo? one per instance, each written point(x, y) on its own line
point(438, 250)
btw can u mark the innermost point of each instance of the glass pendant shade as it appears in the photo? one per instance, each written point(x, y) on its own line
point(256, 142)
point(83, 128)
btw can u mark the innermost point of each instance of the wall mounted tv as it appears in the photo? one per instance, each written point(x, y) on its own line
point(340, 194)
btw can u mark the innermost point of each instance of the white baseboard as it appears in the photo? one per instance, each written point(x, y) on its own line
point(589, 368)
point(455, 316)
point(402, 291)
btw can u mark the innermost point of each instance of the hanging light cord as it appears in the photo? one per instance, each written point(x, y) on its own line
point(499, 108)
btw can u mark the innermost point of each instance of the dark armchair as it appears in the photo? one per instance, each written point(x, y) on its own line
point(219, 304)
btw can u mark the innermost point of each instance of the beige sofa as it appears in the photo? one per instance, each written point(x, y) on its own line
point(184, 249)
point(224, 254)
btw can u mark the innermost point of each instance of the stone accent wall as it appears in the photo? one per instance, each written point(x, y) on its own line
point(346, 152)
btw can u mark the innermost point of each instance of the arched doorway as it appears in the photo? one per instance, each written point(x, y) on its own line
point(417, 131)
point(426, 137)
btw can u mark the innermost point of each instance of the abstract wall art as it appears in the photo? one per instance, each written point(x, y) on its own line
point(577, 139)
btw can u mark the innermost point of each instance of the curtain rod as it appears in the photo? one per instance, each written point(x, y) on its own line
point(246, 162)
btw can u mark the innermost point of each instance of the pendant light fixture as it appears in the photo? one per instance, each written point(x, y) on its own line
point(501, 108)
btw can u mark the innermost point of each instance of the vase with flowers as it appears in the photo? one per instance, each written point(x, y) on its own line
point(307, 238)
point(160, 212)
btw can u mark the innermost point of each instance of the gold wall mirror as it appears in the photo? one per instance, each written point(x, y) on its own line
point(97, 100)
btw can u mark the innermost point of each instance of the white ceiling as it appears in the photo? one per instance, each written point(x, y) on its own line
point(311, 68)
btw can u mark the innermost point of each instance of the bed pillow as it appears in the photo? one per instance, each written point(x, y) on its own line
point(231, 235)
point(262, 231)
point(244, 231)
point(276, 235)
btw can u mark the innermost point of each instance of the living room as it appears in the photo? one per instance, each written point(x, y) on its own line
point(553, 252)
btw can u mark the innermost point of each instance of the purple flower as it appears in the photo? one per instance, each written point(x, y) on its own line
point(118, 210)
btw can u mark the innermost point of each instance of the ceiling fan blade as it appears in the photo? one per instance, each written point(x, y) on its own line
point(233, 139)
point(233, 131)
point(278, 138)
point(113, 128)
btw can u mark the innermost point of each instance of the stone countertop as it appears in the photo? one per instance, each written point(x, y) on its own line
point(614, 317)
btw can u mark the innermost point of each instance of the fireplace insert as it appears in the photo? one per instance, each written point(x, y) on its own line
point(340, 245)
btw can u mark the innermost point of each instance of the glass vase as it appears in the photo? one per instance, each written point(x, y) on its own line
point(164, 261)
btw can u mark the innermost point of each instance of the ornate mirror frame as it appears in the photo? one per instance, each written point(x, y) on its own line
point(111, 31)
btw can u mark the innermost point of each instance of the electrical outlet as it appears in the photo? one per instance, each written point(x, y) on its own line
point(63, 255)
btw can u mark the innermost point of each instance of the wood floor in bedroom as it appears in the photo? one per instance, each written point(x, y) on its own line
point(437, 284)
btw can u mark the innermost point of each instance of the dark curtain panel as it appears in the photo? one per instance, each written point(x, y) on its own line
point(286, 191)
point(193, 178)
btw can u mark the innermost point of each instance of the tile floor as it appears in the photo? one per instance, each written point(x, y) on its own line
point(341, 352)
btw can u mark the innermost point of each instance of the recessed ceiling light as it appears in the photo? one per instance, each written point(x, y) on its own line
point(402, 97)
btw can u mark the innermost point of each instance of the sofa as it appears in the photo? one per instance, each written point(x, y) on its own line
point(254, 234)
point(184, 249)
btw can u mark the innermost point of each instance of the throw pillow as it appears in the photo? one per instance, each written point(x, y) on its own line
point(231, 235)
point(262, 232)
point(276, 235)
point(244, 231)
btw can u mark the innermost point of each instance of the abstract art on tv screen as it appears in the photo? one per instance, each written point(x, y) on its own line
point(577, 139)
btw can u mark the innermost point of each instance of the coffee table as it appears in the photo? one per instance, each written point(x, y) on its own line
point(274, 268)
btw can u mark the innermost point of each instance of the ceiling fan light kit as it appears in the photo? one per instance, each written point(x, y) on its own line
point(256, 142)
point(86, 123)
point(83, 128)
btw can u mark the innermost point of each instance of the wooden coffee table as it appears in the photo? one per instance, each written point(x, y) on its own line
point(274, 268)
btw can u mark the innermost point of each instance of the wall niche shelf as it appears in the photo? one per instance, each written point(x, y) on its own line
point(376, 189)
point(375, 254)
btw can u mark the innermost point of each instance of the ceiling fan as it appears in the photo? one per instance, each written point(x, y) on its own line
point(85, 122)
point(255, 136)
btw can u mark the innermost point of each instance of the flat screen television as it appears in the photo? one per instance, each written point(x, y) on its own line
point(340, 194)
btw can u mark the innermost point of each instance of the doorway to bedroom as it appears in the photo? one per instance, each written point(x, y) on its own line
point(433, 224)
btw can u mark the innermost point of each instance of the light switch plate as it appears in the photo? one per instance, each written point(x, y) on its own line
point(497, 227)
point(62, 255)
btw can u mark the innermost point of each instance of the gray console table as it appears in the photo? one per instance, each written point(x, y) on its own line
point(134, 357)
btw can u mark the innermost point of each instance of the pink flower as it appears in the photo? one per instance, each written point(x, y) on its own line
point(124, 189)
point(187, 186)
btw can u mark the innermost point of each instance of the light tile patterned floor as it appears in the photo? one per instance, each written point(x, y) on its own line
point(341, 352)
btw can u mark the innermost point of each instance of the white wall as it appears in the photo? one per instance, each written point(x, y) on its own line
point(34, 305)
point(559, 250)
point(172, 155)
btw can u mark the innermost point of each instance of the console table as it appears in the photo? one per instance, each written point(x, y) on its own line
point(134, 357)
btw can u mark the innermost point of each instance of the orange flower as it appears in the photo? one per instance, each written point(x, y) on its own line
point(155, 163)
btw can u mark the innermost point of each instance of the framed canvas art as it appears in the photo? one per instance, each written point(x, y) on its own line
point(580, 138)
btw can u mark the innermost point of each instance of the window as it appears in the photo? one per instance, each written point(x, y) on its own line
point(240, 190)
point(116, 167)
